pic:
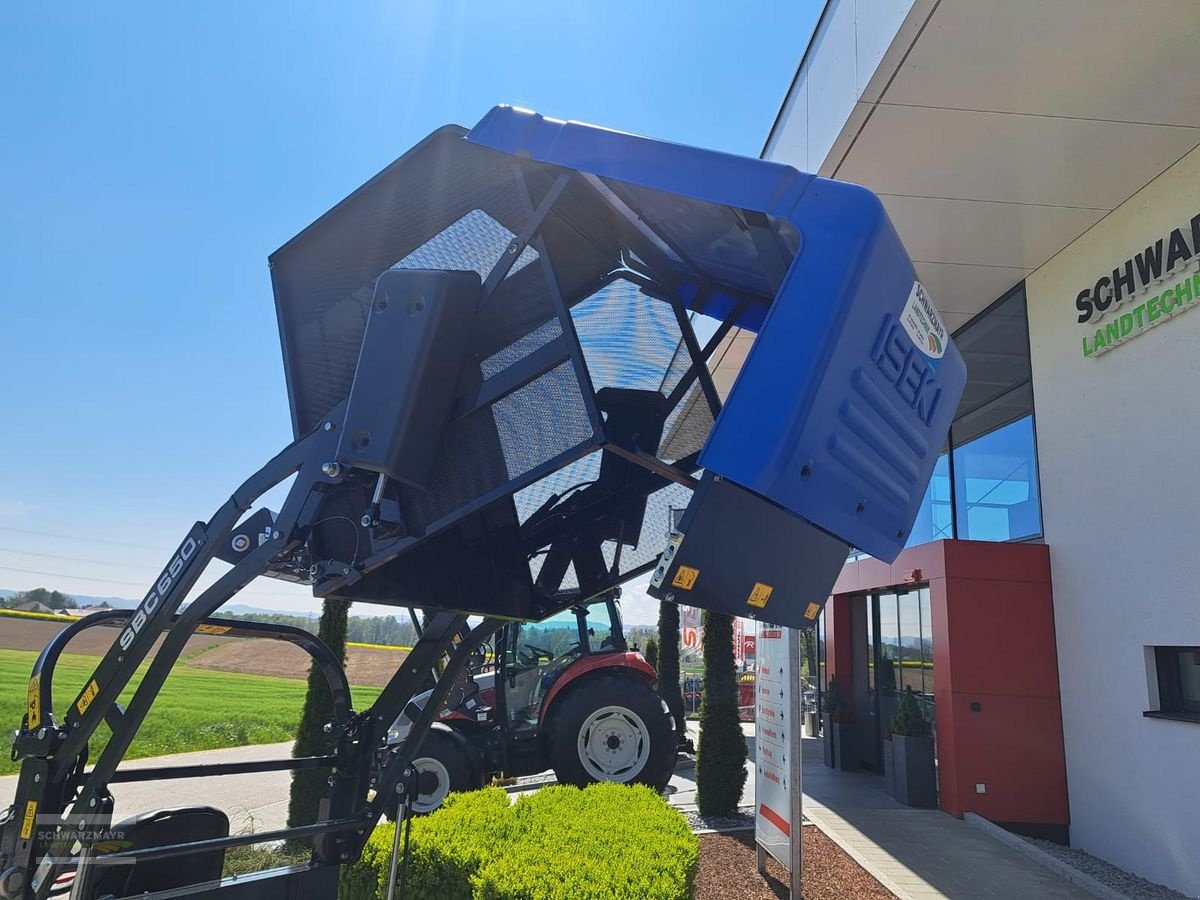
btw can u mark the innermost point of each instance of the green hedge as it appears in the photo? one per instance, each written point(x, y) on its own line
point(561, 843)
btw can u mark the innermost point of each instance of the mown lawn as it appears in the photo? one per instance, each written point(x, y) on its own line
point(196, 709)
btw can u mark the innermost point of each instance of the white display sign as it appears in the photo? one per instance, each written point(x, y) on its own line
point(777, 793)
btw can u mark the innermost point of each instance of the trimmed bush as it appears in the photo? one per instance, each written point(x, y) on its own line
point(651, 653)
point(561, 843)
point(908, 721)
point(721, 755)
point(668, 664)
point(309, 785)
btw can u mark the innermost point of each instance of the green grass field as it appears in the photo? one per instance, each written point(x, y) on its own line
point(196, 709)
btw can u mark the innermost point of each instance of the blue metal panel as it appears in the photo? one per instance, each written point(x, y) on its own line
point(845, 400)
point(707, 175)
point(838, 414)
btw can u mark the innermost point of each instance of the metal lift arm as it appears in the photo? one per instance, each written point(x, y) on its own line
point(499, 355)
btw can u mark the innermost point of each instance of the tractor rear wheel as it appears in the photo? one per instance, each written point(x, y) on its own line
point(611, 728)
point(444, 764)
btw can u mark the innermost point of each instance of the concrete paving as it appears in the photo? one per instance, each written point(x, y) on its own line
point(254, 803)
point(916, 854)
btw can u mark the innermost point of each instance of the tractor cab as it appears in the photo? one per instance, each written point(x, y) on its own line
point(534, 657)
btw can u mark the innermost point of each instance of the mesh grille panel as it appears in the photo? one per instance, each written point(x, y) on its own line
point(491, 446)
point(579, 473)
point(541, 420)
point(476, 241)
point(628, 338)
point(521, 348)
point(687, 427)
point(656, 527)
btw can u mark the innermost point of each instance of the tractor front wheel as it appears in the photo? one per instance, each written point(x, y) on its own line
point(443, 765)
point(611, 728)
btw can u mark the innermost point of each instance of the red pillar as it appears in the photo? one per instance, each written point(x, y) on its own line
point(839, 647)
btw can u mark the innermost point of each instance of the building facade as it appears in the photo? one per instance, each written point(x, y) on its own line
point(1041, 162)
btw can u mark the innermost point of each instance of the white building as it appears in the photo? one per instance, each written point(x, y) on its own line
point(1051, 146)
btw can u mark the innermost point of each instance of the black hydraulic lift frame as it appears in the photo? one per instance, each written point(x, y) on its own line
point(59, 800)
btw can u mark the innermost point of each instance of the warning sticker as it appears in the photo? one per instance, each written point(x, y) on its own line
point(923, 324)
point(685, 577)
point(212, 629)
point(35, 702)
point(28, 821)
point(759, 595)
point(86, 698)
point(813, 610)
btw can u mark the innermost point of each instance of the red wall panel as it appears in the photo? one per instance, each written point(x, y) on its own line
point(994, 645)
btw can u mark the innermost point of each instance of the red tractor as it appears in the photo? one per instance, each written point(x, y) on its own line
point(565, 694)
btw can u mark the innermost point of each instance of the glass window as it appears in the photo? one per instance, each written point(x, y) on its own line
point(995, 348)
point(1178, 681)
point(889, 644)
point(995, 485)
point(556, 637)
point(870, 647)
point(934, 521)
point(823, 671)
point(926, 641)
point(909, 674)
point(600, 628)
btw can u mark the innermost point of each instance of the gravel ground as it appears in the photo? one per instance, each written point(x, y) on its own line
point(727, 871)
point(1107, 874)
point(743, 819)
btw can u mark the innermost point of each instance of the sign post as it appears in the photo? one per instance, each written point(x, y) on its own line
point(778, 796)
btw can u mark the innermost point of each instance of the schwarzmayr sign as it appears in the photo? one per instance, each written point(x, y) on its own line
point(1163, 280)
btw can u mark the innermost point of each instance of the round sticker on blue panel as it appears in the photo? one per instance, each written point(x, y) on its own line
point(923, 324)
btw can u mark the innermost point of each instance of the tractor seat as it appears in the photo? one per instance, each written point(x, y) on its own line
point(156, 829)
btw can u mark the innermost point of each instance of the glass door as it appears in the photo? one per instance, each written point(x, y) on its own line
point(901, 634)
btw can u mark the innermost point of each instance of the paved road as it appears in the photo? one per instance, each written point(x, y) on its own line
point(253, 802)
point(259, 802)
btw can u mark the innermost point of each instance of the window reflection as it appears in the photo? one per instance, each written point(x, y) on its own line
point(910, 644)
point(926, 641)
point(934, 520)
point(995, 481)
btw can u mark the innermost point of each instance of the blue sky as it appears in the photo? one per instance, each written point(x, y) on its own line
point(153, 154)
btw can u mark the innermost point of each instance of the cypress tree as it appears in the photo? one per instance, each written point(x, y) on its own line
point(668, 664)
point(721, 756)
point(652, 653)
point(309, 785)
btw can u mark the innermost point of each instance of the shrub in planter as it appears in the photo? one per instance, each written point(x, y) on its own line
point(913, 776)
point(839, 742)
point(608, 840)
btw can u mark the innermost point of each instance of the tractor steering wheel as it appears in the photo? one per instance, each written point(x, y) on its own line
point(536, 655)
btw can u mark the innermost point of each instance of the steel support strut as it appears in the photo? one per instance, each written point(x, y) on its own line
point(55, 800)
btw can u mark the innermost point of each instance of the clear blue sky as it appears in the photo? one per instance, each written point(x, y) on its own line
point(153, 154)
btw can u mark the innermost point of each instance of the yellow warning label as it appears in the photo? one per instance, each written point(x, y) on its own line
point(759, 595)
point(86, 698)
point(813, 611)
point(213, 629)
point(685, 577)
point(28, 822)
point(35, 702)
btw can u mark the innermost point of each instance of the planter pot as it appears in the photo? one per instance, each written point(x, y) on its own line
point(828, 741)
point(812, 724)
point(845, 754)
point(889, 770)
point(914, 777)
